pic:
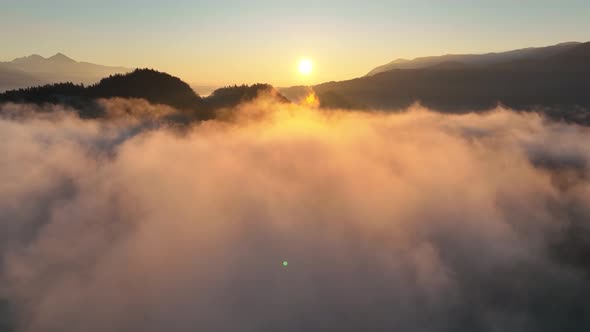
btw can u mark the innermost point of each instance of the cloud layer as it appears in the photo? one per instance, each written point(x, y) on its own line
point(414, 221)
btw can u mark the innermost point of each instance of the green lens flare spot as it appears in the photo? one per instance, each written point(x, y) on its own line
point(285, 263)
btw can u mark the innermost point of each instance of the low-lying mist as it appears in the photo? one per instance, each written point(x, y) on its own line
point(412, 221)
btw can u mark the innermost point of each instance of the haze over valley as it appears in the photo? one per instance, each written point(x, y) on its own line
point(266, 166)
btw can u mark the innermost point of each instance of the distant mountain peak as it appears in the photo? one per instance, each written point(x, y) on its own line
point(36, 58)
point(32, 57)
point(35, 69)
point(400, 60)
point(60, 57)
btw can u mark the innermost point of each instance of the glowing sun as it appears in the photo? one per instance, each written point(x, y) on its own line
point(305, 66)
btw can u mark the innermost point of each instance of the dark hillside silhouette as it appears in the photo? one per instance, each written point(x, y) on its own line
point(558, 84)
point(153, 86)
point(148, 84)
point(578, 55)
point(59, 93)
point(531, 53)
point(233, 95)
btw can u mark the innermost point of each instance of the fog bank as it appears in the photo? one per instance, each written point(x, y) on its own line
point(413, 221)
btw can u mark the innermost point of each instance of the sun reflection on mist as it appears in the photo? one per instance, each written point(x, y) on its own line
point(311, 100)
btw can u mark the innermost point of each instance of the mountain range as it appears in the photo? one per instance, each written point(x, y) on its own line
point(530, 53)
point(36, 70)
point(554, 79)
point(542, 78)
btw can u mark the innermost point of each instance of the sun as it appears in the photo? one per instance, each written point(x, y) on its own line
point(305, 66)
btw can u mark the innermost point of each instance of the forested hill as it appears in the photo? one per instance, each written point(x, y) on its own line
point(151, 85)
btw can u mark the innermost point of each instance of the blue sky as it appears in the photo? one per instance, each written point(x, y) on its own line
point(260, 41)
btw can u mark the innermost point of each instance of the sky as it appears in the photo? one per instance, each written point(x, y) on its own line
point(234, 42)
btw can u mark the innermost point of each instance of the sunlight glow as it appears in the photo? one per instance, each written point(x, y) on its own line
point(305, 66)
point(311, 100)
